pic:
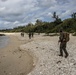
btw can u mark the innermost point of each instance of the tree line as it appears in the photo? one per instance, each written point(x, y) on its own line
point(40, 26)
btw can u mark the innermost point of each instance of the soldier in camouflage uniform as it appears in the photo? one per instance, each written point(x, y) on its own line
point(63, 43)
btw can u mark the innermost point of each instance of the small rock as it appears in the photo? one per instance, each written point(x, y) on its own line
point(22, 73)
point(59, 68)
point(19, 56)
point(41, 65)
point(43, 48)
point(58, 61)
point(74, 64)
point(20, 50)
point(36, 47)
point(4, 71)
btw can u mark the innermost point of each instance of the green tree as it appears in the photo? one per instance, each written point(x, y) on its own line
point(57, 19)
point(73, 15)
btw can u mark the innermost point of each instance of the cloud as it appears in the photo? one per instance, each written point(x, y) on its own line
point(46, 3)
point(21, 12)
point(3, 0)
point(16, 22)
point(2, 9)
point(6, 23)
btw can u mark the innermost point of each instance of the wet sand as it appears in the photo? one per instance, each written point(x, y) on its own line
point(13, 60)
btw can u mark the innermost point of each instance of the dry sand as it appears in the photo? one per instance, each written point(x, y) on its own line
point(44, 51)
point(13, 60)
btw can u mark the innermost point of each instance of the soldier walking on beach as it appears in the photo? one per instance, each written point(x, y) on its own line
point(63, 39)
point(29, 35)
point(22, 34)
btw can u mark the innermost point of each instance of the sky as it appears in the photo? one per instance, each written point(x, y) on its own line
point(15, 13)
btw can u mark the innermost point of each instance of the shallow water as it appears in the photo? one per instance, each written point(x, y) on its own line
point(13, 60)
point(3, 41)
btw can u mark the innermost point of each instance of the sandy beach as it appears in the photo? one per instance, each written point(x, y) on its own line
point(37, 56)
point(48, 61)
point(13, 60)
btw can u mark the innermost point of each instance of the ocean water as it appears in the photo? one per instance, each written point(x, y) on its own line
point(3, 41)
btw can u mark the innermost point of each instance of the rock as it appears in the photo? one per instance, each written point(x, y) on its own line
point(58, 62)
point(36, 47)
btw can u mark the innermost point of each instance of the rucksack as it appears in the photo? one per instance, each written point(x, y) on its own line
point(66, 36)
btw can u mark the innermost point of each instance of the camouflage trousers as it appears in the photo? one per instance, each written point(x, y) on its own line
point(63, 48)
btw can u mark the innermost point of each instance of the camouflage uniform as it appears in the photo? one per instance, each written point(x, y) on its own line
point(29, 35)
point(63, 44)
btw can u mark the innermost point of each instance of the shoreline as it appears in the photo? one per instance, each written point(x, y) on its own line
point(44, 51)
point(13, 60)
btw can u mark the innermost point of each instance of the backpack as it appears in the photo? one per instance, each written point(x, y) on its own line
point(66, 36)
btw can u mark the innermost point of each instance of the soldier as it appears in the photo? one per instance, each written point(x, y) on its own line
point(63, 41)
point(29, 35)
point(22, 34)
